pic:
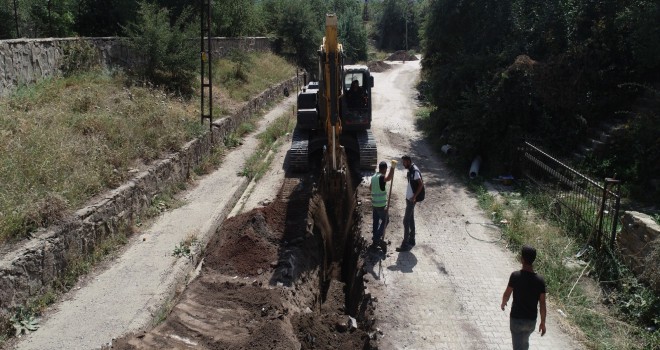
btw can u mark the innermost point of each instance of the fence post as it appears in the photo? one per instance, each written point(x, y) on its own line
point(615, 218)
point(599, 234)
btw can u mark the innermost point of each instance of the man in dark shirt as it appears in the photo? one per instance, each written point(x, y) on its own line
point(528, 290)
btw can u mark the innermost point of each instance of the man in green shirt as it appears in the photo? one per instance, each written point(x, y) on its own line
point(379, 203)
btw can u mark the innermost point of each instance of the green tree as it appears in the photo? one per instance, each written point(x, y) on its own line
point(397, 24)
point(295, 31)
point(104, 17)
point(7, 22)
point(165, 53)
point(52, 18)
point(237, 18)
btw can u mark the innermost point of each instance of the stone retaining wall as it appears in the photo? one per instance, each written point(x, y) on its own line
point(30, 268)
point(639, 244)
point(25, 61)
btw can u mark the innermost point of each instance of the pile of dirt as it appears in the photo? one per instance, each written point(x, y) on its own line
point(402, 55)
point(378, 66)
point(262, 286)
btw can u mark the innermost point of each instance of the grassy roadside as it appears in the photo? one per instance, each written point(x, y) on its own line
point(269, 141)
point(62, 141)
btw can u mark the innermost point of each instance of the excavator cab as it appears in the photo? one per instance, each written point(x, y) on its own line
point(356, 104)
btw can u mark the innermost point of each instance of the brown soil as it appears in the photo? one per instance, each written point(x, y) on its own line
point(401, 55)
point(378, 66)
point(262, 286)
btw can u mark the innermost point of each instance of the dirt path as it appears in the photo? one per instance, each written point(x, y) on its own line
point(446, 292)
point(129, 293)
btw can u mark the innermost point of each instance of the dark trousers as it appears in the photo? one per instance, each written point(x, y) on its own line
point(380, 221)
point(409, 223)
point(521, 329)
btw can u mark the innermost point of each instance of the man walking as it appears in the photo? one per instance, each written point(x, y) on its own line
point(414, 194)
point(379, 203)
point(528, 290)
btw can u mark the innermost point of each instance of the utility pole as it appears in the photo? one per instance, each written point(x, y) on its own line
point(406, 30)
point(206, 64)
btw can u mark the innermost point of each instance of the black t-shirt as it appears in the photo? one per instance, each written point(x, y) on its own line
point(381, 182)
point(527, 289)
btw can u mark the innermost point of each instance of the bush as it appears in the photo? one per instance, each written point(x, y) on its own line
point(79, 56)
point(164, 52)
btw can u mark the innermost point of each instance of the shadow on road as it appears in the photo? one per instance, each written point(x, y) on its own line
point(405, 262)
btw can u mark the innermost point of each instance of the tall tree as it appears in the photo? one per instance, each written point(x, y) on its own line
point(7, 21)
point(104, 17)
point(237, 18)
point(397, 24)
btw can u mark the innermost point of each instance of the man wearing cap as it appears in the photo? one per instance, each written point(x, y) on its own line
point(379, 203)
point(414, 189)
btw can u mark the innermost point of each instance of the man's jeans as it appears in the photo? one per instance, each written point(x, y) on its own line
point(380, 221)
point(409, 223)
point(521, 329)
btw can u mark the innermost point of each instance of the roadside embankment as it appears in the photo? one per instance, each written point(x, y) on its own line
point(29, 269)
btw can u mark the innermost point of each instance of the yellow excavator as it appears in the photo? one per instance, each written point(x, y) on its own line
point(334, 114)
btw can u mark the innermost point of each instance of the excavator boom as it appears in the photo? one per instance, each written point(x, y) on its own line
point(331, 55)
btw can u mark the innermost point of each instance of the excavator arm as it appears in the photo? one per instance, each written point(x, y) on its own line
point(331, 63)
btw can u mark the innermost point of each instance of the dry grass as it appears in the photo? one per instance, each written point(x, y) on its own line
point(63, 141)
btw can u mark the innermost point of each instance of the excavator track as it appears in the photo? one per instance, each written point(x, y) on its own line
point(368, 151)
point(299, 152)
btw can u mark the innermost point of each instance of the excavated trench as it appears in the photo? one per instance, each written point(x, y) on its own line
point(285, 276)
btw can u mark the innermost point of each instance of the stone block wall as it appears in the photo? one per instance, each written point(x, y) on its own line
point(30, 268)
point(639, 245)
point(26, 61)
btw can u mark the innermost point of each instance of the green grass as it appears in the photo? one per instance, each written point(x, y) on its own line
point(63, 141)
point(603, 327)
point(269, 140)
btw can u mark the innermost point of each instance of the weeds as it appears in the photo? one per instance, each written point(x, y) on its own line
point(23, 321)
point(211, 162)
point(164, 201)
point(242, 83)
point(259, 162)
point(235, 138)
point(184, 248)
point(163, 311)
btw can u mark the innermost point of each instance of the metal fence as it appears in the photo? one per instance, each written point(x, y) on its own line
point(579, 202)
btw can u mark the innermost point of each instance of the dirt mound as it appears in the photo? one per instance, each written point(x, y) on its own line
point(243, 300)
point(248, 246)
point(378, 66)
point(402, 55)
